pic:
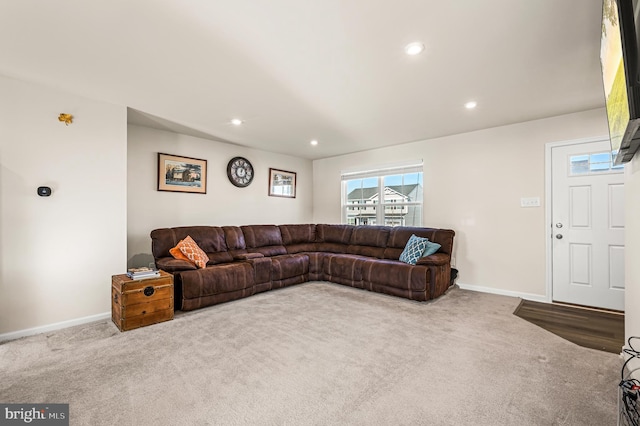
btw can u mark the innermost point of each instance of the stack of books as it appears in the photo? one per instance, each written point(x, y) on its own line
point(142, 273)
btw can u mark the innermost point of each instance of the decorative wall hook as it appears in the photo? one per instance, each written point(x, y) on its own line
point(65, 118)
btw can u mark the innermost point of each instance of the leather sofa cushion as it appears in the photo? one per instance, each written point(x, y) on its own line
point(247, 256)
point(369, 241)
point(437, 259)
point(340, 234)
point(397, 274)
point(373, 236)
point(298, 234)
point(234, 237)
point(171, 264)
point(343, 266)
point(399, 236)
point(377, 252)
point(221, 279)
point(331, 247)
point(265, 239)
point(210, 239)
point(261, 268)
point(261, 235)
point(303, 247)
point(269, 250)
point(219, 257)
point(162, 240)
point(290, 265)
point(444, 237)
point(316, 260)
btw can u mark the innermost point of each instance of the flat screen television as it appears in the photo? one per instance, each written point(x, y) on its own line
point(621, 76)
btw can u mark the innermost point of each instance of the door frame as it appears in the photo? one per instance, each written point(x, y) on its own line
point(548, 225)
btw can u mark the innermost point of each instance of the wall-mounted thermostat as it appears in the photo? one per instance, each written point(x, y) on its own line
point(44, 191)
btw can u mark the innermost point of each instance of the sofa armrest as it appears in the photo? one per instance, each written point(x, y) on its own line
point(247, 256)
point(439, 266)
point(261, 268)
point(169, 264)
point(436, 259)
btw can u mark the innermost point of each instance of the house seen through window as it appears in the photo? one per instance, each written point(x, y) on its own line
point(387, 196)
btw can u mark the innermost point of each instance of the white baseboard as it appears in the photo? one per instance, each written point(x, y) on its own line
point(526, 296)
point(51, 327)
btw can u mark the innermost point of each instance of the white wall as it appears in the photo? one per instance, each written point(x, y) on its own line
point(58, 253)
point(473, 183)
point(223, 204)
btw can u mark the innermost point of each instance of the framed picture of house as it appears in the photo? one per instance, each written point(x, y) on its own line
point(282, 183)
point(181, 174)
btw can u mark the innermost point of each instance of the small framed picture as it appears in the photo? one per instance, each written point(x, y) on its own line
point(282, 183)
point(181, 174)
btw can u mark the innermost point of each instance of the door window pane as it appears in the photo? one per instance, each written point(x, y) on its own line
point(600, 162)
point(596, 163)
point(579, 164)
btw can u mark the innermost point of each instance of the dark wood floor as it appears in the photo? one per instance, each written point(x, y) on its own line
point(585, 327)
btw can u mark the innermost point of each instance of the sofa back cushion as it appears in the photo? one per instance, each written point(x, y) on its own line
point(399, 236)
point(234, 238)
point(369, 240)
point(265, 239)
point(298, 234)
point(210, 239)
point(444, 237)
point(333, 238)
point(299, 238)
point(162, 240)
point(222, 243)
point(339, 234)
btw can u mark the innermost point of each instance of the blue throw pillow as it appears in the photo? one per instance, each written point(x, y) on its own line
point(431, 248)
point(413, 250)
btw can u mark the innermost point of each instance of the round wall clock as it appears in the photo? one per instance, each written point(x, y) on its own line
point(240, 172)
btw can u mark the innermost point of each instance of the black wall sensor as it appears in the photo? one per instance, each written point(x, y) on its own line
point(44, 191)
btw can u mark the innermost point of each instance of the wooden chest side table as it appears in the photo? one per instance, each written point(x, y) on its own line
point(137, 303)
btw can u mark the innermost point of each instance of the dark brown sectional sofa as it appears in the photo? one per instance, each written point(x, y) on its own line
point(245, 260)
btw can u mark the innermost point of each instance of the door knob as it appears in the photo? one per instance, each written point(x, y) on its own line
point(558, 225)
point(559, 236)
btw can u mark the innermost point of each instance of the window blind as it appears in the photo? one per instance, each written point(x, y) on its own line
point(383, 170)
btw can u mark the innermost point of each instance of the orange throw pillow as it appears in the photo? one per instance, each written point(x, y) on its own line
point(177, 254)
point(189, 248)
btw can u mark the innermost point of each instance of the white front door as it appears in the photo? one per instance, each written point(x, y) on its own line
point(587, 226)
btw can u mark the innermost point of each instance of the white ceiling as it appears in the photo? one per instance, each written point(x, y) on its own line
point(296, 70)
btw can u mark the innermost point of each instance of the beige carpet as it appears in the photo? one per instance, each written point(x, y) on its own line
point(319, 354)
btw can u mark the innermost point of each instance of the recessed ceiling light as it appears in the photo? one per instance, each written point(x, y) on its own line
point(471, 105)
point(414, 48)
point(314, 142)
point(236, 121)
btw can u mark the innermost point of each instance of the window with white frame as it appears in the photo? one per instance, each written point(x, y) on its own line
point(390, 196)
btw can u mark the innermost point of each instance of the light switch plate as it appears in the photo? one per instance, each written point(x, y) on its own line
point(530, 202)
